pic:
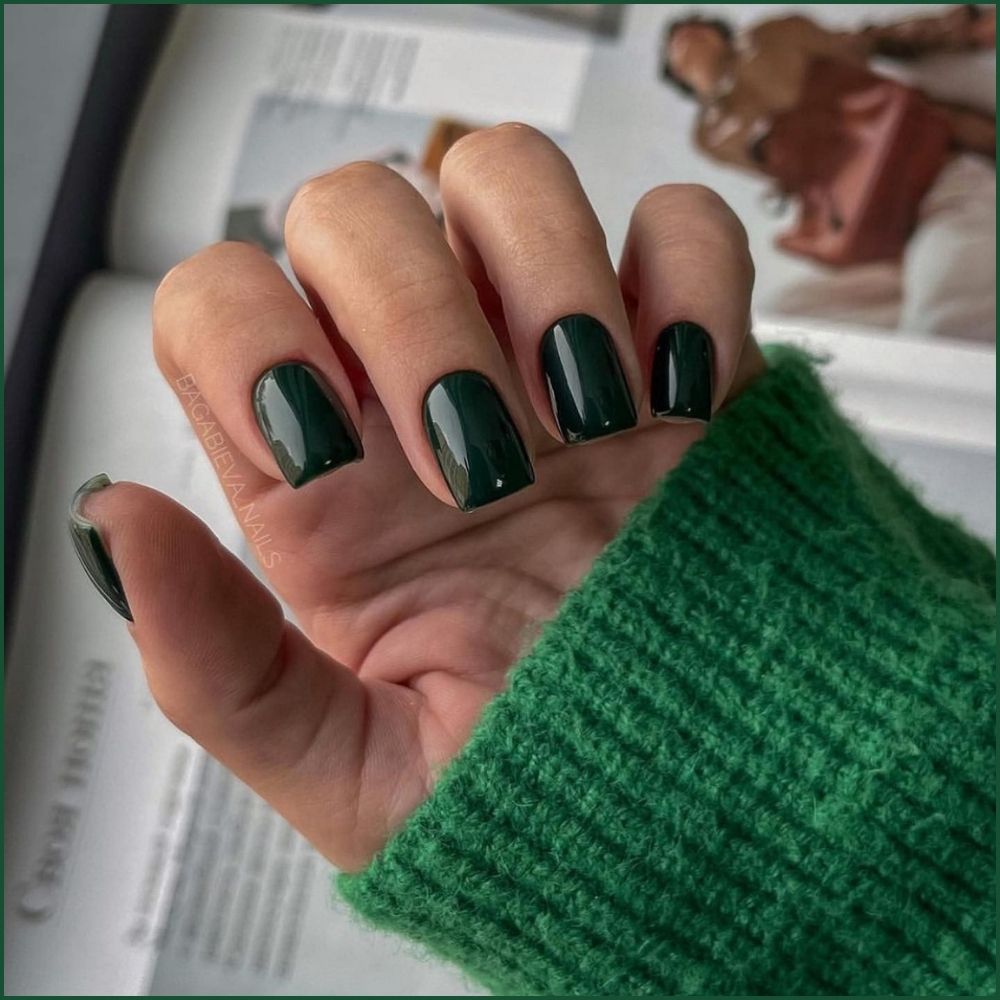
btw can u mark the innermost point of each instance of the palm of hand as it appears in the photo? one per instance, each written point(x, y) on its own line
point(430, 607)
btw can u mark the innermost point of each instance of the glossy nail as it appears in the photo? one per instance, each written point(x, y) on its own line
point(477, 446)
point(681, 384)
point(304, 423)
point(91, 551)
point(587, 387)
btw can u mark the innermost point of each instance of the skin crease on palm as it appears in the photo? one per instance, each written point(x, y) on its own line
point(410, 613)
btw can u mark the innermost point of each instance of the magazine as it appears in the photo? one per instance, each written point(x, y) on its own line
point(134, 863)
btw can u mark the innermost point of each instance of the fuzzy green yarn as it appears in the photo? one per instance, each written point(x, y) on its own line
point(753, 753)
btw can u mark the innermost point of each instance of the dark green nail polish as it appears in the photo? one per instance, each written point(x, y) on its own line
point(304, 423)
point(681, 386)
point(475, 441)
point(90, 549)
point(587, 387)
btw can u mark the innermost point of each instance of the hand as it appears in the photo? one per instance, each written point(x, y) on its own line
point(411, 611)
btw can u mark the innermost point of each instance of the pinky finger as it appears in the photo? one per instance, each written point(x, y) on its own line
point(687, 279)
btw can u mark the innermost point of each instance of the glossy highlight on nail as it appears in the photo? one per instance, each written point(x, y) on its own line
point(91, 552)
point(304, 423)
point(681, 381)
point(587, 387)
point(476, 444)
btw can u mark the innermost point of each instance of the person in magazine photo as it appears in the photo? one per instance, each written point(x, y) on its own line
point(879, 170)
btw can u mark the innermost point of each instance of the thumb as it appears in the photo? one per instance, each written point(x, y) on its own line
point(227, 668)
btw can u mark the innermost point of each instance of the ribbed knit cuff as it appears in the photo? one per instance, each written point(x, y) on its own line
point(753, 753)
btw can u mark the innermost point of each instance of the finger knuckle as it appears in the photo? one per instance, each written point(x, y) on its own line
point(496, 147)
point(195, 289)
point(412, 308)
point(693, 214)
point(192, 276)
point(556, 244)
point(686, 199)
point(324, 198)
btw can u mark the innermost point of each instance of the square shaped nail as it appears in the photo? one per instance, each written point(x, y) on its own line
point(476, 444)
point(304, 423)
point(681, 382)
point(587, 387)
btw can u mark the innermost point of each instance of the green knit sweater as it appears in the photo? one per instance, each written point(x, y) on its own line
point(753, 753)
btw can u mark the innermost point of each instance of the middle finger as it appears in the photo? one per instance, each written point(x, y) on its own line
point(364, 242)
point(517, 214)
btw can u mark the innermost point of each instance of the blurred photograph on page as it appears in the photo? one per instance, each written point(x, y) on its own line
point(889, 188)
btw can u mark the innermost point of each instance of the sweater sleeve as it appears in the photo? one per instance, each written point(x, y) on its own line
point(753, 753)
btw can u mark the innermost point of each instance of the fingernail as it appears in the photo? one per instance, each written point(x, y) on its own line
point(681, 386)
point(477, 446)
point(304, 423)
point(587, 387)
point(91, 551)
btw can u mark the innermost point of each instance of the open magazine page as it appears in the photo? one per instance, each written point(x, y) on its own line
point(176, 186)
point(97, 782)
point(249, 103)
point(253, 912)
point(134, 863)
